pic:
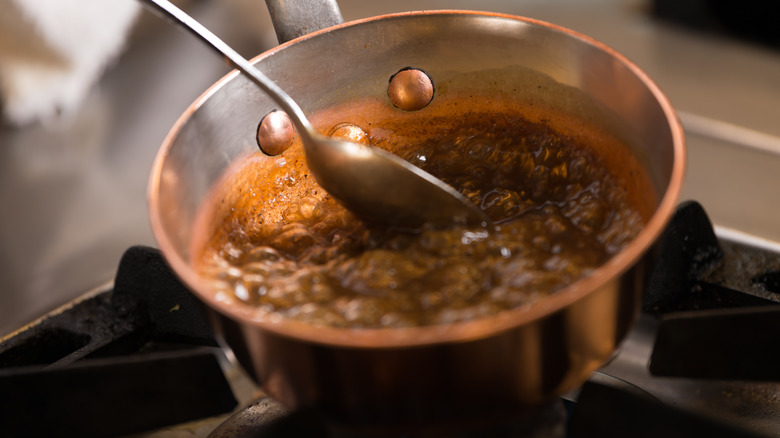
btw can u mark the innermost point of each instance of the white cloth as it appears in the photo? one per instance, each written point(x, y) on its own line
point(53, 51)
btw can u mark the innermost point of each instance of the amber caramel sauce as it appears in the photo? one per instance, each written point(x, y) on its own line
point(567, 194)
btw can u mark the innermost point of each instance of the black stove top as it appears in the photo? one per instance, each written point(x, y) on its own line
point(140, 355)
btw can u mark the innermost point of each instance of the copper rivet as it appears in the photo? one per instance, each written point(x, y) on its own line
point(275, 133)
point(348, 131)
point(410, 89)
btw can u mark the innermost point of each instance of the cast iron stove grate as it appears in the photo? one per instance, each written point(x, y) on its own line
point(136, 357)
point(715, 304)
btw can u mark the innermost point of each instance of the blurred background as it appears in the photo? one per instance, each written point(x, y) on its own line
point(73, 186)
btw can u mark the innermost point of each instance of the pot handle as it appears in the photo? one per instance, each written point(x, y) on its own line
point(294, 18)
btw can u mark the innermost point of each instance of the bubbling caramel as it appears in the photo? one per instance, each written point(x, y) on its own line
point(274, 240)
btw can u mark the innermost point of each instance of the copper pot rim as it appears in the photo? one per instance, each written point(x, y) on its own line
point(433, 334)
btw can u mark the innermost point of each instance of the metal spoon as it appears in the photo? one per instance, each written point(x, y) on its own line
point(373, 184)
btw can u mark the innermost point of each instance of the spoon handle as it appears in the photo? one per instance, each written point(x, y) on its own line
point(170, 11)
point(294, 18)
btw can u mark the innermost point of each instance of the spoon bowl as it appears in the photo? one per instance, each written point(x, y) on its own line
point(375, 185)
point(380, 187)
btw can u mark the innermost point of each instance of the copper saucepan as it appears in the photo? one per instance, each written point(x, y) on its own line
point(521, 356)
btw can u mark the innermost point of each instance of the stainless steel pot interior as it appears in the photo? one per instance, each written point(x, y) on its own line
point(355, 60)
